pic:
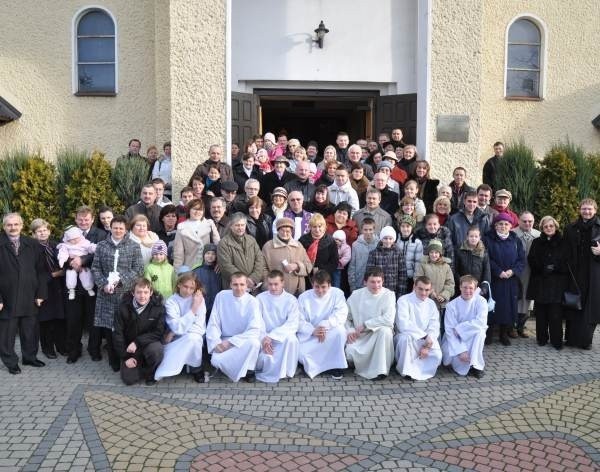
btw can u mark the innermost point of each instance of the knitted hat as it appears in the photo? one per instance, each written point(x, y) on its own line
point(209, 247)
point(72, 233)
point(435, 245)
point(387, 231)
point(409, 220)
point(386, 164)
point(281, 222)
point(502, 217)
point(159, 247)
point(280, 191)
point(270, 137)
point(340, 235)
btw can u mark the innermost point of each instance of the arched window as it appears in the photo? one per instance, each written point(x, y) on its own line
point(95, 53)
point(524, 59)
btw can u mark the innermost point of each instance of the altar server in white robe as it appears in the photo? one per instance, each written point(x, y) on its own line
point(278, 357)
point(233, 331)
point(322, 334)
point(370, 327)
point(186, 319)
point(466, 324)
point(418, 352)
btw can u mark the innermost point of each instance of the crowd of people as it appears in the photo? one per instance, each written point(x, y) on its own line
point(354, 256)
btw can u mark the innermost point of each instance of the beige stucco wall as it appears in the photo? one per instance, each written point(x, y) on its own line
point(455, 88)
point(572, 96)
point(36, 73)
point(198, 82)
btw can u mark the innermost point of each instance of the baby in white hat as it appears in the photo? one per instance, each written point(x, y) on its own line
point(75, 245)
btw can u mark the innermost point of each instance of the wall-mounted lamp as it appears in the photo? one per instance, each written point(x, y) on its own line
point(321, 32)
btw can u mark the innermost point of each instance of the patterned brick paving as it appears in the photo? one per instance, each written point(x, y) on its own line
point(546, 454)
point(270, 461)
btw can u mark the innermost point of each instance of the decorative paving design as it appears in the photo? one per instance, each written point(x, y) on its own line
point(514, 456)
point(573, 410)
point(270, 461)
point(522, 414)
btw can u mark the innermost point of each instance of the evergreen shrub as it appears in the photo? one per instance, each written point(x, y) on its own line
point(557, 191)
point(517, 172)
point(129, 176)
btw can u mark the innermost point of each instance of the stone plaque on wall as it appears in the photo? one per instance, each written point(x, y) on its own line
point(453, 128)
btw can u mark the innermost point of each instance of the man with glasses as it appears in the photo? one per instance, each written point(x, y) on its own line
point(297, 214)
point(251, 189)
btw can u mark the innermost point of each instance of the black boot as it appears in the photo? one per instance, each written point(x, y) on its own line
point(504, 340)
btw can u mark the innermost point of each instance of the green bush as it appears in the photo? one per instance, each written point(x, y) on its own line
point(12, 163)
point(517, 172)
point(91, 185)
point(35, 194)
point(557, 191)
point(68, 161)
point(585, 173)
point(129, 176)
point(593, 161)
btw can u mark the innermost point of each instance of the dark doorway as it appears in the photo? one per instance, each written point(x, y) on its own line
point(317, 118)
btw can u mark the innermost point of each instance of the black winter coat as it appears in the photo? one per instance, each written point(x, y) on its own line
point(473, 262)
point(24, 278)
point(549, 273)
point(327, 252)
point(143, 328)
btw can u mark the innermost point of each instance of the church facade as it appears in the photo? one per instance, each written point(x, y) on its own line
point(456, 76)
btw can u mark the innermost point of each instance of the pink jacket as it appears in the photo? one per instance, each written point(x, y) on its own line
point(345, 253)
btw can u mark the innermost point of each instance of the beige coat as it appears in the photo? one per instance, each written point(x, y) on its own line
point(189, 241)
point(275, 252)
point(440, 274)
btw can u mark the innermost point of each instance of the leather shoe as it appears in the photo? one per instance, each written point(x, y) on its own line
point(71, 359)
point(34, 363)
point(14, 370)
point(512, 333)
point(50, 354)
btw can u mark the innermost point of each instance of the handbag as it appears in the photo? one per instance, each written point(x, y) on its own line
point(572, 300)
point(490, 301)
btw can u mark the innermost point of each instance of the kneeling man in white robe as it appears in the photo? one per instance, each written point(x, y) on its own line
point(233, 331)
point(466, 324)
point(418, 352)
point(278, 357)
point(322, 335)
point(370, 327)
point(186, 319)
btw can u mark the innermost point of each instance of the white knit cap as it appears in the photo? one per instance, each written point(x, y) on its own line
point(387, 231)
point(339, 234)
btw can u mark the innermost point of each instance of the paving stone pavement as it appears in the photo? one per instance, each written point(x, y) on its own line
point(536, 409)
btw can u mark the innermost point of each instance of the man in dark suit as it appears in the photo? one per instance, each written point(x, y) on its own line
point(23, 288)
point(80, 311)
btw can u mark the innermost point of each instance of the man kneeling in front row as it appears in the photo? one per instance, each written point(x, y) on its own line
point(466, 325)
point(370, 326)
point(418, 352)
point(139, 331)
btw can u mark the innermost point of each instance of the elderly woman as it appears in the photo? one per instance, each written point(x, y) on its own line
point(320, 203)
point(427, 185)
point(140, 235)
point(582, 238)
point(278, 203)
point(239, 252)
point(285, 254)
point(507, 261)
point(340, 220)
point(51, 313)
point(548, 281)
point(117, 263)
point(192, 235)
point(320, 247)
point(442, 207)
point(259, 225)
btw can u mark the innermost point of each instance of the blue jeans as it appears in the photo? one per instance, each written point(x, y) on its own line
point(337, 278)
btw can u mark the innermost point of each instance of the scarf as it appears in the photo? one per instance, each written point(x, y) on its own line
point(312, 250)
point(50, 255)
point(442, 218)
point(502, 236)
